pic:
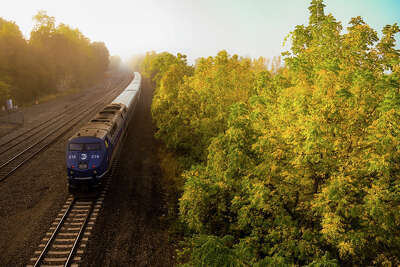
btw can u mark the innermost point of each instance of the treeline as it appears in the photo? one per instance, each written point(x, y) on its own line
point(55, 58)
point(296, 166)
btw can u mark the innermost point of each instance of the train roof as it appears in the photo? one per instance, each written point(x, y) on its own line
point(102, 123)
point(90, 132)
point(135, 84)
point(127, 96)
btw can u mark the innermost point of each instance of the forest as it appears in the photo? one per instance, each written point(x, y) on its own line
point(293, 164)
point(56, 58)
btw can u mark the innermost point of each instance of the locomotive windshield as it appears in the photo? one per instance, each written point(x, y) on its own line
point(92, 147)
point(75, 147)
point(84, 147)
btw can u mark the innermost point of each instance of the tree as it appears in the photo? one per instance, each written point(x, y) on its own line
point(294, 166)
point(4, 92)
point(67, 58)
point(13, 54)
point(55, 58)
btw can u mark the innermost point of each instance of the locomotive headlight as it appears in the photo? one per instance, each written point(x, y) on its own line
point(95, 172)
point(71, 172)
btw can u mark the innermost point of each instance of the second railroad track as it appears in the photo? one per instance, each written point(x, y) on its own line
point(29, 146)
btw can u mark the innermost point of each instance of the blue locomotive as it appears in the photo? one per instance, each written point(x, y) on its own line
point(90, 152)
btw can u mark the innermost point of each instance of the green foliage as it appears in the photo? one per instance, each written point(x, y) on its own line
point(67, 54)
point(115, 63)
point(136, 61)
point(298, 166)
point(193, 105)
point(13, 51)
point(54, 59)
point(155, 65)
point(213, 251)
point(4, 92)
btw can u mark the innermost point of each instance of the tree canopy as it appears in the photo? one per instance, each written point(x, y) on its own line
point(55, 58)
point(296, 166)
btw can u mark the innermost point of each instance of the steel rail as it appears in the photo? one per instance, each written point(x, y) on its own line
point(79, 236)
point(78, 116)
point(60, 114)
point(53, 236)
point(31, 130)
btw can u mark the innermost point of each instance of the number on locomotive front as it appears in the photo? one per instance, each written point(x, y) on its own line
point(87, 161)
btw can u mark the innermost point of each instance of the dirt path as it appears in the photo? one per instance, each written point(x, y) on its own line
point(130, 231)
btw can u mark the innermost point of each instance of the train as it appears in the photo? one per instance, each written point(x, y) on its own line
point(91, 151)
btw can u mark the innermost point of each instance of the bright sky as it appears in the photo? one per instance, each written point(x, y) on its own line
point(194, 27)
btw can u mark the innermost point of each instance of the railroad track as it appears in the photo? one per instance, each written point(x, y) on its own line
point(70, 229)
point(13, 144)
point(30, 147)
point(65, 242)
point(25, 134)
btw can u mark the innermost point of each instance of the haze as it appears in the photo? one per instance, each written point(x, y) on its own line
point(196, 28)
